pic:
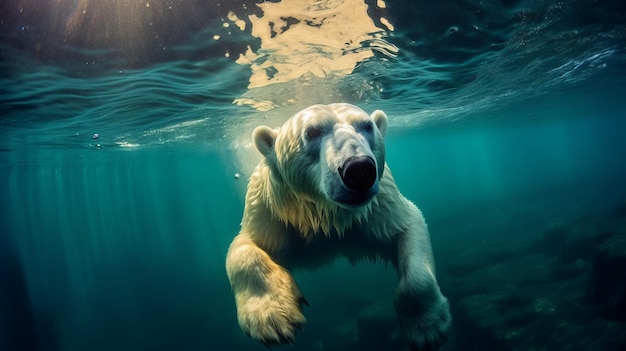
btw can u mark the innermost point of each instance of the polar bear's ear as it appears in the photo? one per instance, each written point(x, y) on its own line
point(264, 138)
point(380, 118)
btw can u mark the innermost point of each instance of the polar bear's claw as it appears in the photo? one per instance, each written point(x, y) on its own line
point(274, 316)
point(428, 331)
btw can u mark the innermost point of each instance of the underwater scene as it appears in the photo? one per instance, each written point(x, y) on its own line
point(126, 148)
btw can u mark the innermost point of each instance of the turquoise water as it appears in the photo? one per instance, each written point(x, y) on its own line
point(505, 118)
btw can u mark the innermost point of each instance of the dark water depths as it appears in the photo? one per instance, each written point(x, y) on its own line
point(505, 118)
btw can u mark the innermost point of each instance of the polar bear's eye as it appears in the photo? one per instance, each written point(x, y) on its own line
point(368, 126)
point(312, 132)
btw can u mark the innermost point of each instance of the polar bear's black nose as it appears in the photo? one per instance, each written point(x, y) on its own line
point(358, 173)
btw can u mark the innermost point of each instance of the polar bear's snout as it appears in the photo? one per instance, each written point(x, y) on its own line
point(358, 173)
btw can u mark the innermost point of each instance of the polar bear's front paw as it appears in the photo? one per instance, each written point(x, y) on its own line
point(273, 317)
point(428, 329)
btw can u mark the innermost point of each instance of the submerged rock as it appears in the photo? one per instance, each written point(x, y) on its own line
point(378, 328)
point(569, 271)
point(583, 242)
point(548, 316)
point(608, 278)
point(555, 237)
point(573, 241)
point(531, 290)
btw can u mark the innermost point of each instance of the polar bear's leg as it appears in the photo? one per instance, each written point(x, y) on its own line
point(269, 303)
point(422, 310)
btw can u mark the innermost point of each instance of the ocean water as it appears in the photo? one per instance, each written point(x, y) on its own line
point(124, 123)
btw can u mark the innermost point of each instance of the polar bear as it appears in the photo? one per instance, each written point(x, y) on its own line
point(322, 190)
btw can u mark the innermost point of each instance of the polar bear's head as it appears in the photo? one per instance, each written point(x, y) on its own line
point(327, 152)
